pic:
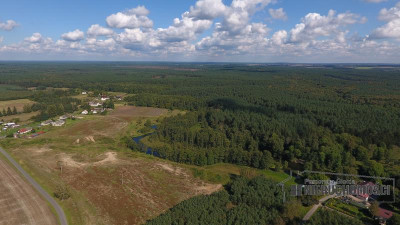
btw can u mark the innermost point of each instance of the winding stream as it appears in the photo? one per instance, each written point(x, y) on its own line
point(143, 147)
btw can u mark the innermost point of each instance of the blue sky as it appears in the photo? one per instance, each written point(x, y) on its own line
point(211, 30)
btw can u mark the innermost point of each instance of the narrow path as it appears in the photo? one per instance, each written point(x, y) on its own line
point(315, 207)
point(54, 204)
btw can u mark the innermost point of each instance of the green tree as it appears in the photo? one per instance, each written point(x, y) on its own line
point(395, 220)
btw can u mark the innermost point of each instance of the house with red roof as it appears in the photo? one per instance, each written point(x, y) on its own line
point(25, 130)
point(364, 196)
point(384, 215)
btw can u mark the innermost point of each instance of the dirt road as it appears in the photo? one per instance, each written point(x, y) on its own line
point(19, 202)
point(315, 207)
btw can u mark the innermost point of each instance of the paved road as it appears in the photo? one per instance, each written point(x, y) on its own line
point(315, 207)
point(56, 206)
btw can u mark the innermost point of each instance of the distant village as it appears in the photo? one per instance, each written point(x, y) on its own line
point(98, 105)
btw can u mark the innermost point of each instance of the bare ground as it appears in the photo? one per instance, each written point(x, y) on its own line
point(124, 190)
point(19, 202)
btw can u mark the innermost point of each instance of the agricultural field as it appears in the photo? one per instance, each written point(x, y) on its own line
point(20, 203)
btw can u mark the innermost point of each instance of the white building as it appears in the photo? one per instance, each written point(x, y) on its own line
point(58, 123)
point(84, 112)
point(84, 92)
point(95, 104)
point(46, 123)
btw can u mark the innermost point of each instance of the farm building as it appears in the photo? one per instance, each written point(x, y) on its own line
point(25, 130)
point(84, 112)
point(46, 123)
point(58, 123)
point(384, 215)
point(95, 104)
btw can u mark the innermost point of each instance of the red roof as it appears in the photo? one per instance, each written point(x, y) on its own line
point(385, 213)
point(23, 130)
point(364, 195)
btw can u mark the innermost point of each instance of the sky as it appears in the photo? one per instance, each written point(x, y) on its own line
point(297, 31)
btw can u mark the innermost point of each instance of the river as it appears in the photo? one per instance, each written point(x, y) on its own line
point(143, 147)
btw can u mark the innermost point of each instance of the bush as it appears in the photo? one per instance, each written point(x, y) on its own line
point(62, 192)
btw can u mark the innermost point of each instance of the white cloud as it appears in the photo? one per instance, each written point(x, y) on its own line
point(207, 9)
point(139, 11)
point(315, 25)
point(392, 28)
point(73, 36)
point(97, 30)
point(183, 29)
point(133, 18)
point(35, 38)
point(8, 25)
point(278, 14)
point(234, 36)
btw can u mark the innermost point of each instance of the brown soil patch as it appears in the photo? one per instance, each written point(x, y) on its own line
point(19, 202)
point(123, 190)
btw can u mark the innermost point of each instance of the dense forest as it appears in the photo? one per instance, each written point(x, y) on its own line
point(256, 201)
point(337, 118)
point(325, 117)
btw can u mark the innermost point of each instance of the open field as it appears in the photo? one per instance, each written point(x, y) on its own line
point(108, 184)
point(23, 117)
point(20, 203)
point(19, 104)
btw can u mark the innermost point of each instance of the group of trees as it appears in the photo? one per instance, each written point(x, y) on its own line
point(8, 112)
point(256, 201)
point(54, 103)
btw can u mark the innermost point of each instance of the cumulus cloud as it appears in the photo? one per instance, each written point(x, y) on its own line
point(133, 18)
point(207, 9)
point(392, 28)
point(73, 36)
point(278, 14)
point(315, 25)
point(97, 30)
point(183, 29)
point(8, 25)
point(35, 38)
point(233, 35)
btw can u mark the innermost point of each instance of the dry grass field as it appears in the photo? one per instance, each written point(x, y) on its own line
point(109, 184)
point(19, 202)
point(19, 104)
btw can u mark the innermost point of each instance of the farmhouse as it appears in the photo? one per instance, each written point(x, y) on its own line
point(84, 112)
point(25, 130)
point(84, 92)
point(104, 98)
point(364, 196)
point(95, 104)
point(58, 123)
point(384, 215)
point(10, 124)
point(64, 117)
point(46, 123)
